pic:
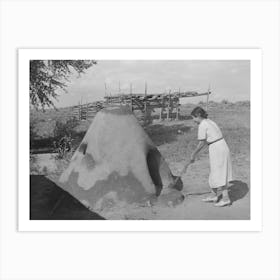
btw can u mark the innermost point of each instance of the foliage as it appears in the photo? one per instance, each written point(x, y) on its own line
point(63, 132)
point(63, 147)
point(47, 76)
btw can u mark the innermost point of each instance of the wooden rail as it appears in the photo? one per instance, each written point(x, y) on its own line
point(143, 102)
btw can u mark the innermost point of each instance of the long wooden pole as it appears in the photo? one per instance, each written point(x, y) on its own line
point(169, 106)
point(145, 102)
point(207, 101)
point(80, 115)
point(177, 106)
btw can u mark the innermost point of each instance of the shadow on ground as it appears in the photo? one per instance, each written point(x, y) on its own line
point(237, 190)
point(161, 134)
point(50, 202)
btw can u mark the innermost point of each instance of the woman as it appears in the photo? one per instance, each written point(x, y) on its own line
point(219, 155)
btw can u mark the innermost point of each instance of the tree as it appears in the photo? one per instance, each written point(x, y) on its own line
point(47, 76)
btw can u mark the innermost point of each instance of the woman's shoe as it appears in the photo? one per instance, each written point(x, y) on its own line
point(210, 199)
point(222, 203)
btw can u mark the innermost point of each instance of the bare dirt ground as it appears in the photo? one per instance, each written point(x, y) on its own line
point(176, 141)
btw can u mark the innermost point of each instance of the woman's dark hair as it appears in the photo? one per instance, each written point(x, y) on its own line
point(199, 112)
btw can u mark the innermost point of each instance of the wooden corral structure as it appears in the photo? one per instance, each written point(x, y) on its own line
point(88, 110)
point(167, 103)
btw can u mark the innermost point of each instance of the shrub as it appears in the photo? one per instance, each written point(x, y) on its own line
point(63, 147)
point(63, 143)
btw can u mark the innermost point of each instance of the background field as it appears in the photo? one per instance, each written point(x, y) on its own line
point(175, 140)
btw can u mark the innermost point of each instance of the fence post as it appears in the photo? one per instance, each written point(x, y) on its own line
point(79, 108)
point(161, 109)
point(178, 106)
point(145, 103)
point(169, 106)
point(207, 101)
point(177, 109)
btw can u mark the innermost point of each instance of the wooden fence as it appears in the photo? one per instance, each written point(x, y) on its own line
point(167, 103)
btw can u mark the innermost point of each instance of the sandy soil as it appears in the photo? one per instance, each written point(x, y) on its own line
point(176, 140)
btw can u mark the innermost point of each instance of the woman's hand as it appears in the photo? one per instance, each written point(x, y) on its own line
point(199, 147)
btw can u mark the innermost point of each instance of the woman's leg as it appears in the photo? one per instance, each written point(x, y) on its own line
point(225, 195)
point(225, 201)
point(214, 191)
point(213, 197)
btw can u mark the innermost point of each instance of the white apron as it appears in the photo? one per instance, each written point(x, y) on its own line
point(219, 154)
point(220, 164)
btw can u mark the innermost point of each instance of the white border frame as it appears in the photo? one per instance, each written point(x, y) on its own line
point(254, 224)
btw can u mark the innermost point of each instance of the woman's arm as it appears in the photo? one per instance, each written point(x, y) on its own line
point(199, 147)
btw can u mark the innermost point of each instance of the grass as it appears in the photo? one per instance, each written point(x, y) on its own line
point(176, 140)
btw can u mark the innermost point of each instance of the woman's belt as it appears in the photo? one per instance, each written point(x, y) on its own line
point(209, 143)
